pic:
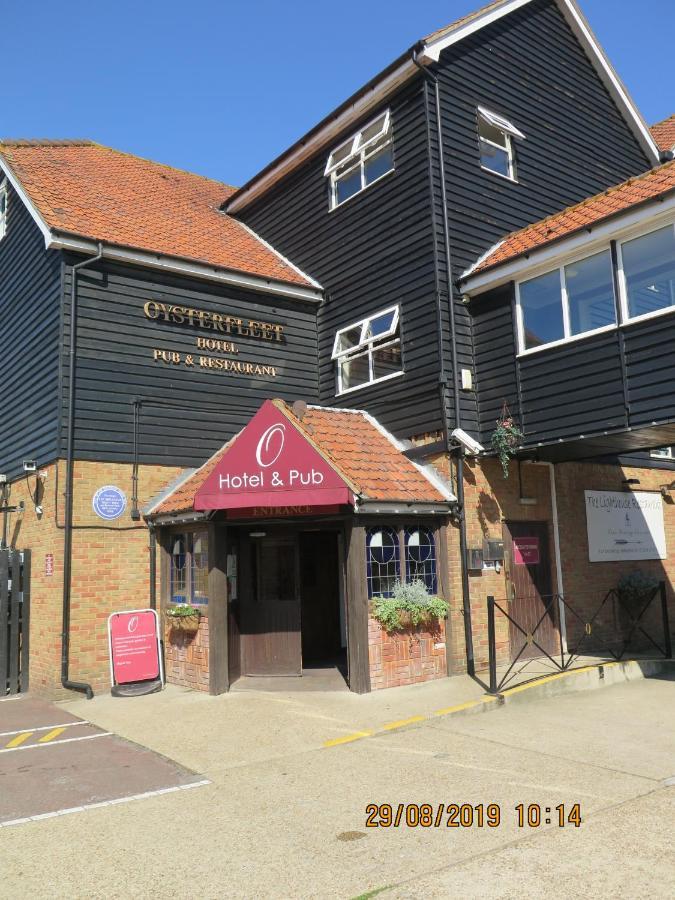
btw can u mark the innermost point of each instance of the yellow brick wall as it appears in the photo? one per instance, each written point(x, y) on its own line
point(110, 569)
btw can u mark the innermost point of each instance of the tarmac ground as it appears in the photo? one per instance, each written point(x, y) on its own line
point(285, 811)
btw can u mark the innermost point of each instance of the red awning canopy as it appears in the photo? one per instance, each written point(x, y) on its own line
point(272, 464)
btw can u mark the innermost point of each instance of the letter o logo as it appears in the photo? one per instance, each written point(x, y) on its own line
point(133, 624)
point(270, 445)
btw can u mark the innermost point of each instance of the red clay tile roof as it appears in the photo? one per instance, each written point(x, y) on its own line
point(85, 189)
point(664, 133)
point(351, 441)
point(589, 212)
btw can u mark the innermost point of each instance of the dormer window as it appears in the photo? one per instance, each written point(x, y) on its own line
point(3, 208)
point(495, 139)
point(360, 161)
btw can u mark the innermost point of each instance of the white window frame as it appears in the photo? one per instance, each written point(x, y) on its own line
point(366, 346)
point(623, 285)
point(3, 217)
point(569, 337)
point(509, 131)
point(357, 156)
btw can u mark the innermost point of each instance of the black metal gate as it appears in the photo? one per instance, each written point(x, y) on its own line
point(608, 631)
point(14, 620)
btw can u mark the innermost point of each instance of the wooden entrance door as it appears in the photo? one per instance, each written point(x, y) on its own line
point(270, 612)
point(529, 589)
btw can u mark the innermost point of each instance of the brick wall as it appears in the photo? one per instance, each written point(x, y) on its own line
point(405, 657)
point(490, 500)
point(186, 656)
point(110, 569)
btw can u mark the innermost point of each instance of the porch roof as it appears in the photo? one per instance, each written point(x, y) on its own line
point(360, 450)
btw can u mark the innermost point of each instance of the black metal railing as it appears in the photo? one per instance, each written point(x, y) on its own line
point(14, 620)
point(576, 634)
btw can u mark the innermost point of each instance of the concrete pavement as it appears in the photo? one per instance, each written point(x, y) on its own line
point(285, 816)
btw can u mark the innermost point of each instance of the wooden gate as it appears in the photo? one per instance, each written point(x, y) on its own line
point(14, 620)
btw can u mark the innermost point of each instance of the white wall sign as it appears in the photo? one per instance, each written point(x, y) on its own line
point(624, 525)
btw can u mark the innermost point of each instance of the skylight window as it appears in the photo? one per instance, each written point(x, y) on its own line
point(363, 159)
point(495, 139)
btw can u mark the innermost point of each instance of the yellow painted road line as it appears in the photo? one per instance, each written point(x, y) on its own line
point(348, 738)
point(390, 726)
point(85, 737)
point(45, 728)
point(51, 735)
point(19, 739)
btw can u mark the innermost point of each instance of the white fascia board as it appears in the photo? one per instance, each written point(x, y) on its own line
point(60, 241)
point(377, 94)
point(613, 83)
point(585, 240)
point(27, 202)
point(432, 51)
point(280, 256)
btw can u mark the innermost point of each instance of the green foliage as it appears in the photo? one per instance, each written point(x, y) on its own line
point(182, 611)
point(636, 587)
point(410, 605)
point(506, 439)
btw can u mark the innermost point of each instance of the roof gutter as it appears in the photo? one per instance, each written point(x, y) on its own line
point(190, 268)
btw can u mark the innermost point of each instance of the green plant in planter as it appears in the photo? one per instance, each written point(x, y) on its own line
point(635, 589)
point(409, 605)
point(506, 439)
point(183, 611)
point(183, 618)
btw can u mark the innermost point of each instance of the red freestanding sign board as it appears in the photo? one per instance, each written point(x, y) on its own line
point(134, 647)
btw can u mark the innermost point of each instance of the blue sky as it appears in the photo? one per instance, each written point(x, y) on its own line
point(220, 88)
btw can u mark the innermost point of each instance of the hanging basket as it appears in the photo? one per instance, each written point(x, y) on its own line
point(185, 624)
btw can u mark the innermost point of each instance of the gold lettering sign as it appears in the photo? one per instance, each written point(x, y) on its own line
point(229, 325)
point(234, 366)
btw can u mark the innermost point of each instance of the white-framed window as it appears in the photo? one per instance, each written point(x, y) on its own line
point(662, 453)
point(368, 351)
point(495, 141)
point(361, 160)
point(575, 299)
point(4, 198)
point(647, 273)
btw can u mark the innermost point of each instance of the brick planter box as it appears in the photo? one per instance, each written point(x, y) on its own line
point(186, 656)
point(405, 657)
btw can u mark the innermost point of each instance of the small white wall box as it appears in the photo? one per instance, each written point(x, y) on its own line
point(467, 380)
point(474, 558)
point(493, 550)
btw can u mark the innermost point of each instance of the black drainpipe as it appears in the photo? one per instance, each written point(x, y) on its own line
point(80, 686)
point(466, 597)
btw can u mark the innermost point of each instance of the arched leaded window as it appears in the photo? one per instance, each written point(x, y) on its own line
point(383, 561)
point(420, 557)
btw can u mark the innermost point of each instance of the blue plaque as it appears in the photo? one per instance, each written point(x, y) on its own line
point(109, 502)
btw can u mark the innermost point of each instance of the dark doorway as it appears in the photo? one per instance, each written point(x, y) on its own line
point(320, 593)
point(270, 610)
point(529, 597)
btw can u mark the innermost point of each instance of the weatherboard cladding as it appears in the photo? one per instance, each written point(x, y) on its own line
point(30, 285)
point(187, 413)
point(369, 253)
point(529, 67)
point(379, 247)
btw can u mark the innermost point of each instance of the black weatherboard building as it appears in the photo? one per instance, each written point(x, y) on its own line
point(361, 270)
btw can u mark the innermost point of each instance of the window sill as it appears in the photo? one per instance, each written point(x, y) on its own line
point(368, 384)
point(570, 340)
point(499, 175)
